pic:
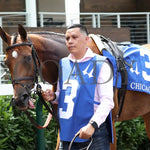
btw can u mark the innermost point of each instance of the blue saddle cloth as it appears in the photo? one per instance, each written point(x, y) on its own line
point(137, 60)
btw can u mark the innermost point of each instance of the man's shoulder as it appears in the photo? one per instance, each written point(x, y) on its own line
point(100, 57)
point(64, 59)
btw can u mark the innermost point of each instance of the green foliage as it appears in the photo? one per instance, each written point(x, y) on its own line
point(131, 135)
point(51, 136)
point(18, 133)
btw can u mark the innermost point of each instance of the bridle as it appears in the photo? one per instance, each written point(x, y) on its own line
point(37, 67)
point(34, 79)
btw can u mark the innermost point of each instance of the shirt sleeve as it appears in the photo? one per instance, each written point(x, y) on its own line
point(103, 94)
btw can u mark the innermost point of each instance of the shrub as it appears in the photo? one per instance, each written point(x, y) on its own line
point(18, 133)
point(131, 135)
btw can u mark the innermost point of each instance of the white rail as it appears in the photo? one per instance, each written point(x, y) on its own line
point(7, 89)
point(4, 75)
point(137, 22)
point(8, 19)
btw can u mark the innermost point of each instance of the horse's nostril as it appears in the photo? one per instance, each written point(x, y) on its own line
point(13, 102)
point(20, 101)
point(24, 99)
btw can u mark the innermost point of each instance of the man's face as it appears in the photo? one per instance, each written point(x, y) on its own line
point(75, 40)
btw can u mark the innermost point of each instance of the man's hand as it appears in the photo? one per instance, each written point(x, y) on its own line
point(87, 131)
point(48, 95)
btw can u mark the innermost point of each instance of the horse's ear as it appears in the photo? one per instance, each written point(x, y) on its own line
point(22, 32)
point(5, 36)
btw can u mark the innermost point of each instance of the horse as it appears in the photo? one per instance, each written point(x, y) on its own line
point(49, 48)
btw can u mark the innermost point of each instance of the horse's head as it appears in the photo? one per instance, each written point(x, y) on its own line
point(21, 61)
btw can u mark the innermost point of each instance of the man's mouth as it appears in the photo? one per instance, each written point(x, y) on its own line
point(71, 47)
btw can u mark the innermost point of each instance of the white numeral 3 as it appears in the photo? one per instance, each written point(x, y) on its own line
point(73, 84)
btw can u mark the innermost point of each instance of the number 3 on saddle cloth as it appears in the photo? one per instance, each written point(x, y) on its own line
point(137, 60)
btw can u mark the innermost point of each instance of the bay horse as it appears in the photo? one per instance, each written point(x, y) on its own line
point(50, 48)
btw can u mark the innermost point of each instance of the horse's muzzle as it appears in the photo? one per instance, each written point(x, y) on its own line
point(21, 102)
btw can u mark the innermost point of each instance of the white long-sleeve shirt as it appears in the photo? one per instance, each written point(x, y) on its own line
point(103, 91)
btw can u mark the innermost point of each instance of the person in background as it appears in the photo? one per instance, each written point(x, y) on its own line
point(84, 94)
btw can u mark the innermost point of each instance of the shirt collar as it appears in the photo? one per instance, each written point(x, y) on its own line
point(88, 55)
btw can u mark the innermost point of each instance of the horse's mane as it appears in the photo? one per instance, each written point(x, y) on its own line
point(50, 35)
point(45, 34)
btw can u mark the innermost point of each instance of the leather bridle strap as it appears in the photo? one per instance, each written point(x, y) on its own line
point(52, 110)
point(37, 125)
point(16, 45)
point(17, 81)
point(37, 72)
point(51, 113)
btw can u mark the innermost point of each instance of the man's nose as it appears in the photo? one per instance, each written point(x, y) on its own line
point(70, 40)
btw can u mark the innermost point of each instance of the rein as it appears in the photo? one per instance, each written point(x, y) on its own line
point(85, 148)
point(51, 111)
point(36, 73)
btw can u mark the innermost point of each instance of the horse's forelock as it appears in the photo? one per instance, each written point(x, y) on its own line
point(14, 39)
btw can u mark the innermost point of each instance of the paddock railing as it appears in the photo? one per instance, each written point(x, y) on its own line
point(12, 19)
point(138, 23)
point(4, 72)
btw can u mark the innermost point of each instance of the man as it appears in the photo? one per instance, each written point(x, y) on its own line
point(84, 94)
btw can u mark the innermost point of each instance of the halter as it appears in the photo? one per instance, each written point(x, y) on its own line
point(36, 72)
point(16, 45)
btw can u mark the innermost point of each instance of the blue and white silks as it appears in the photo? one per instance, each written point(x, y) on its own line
point(139, 71)
point(74, 109)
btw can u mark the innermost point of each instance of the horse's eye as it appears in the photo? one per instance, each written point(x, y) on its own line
point(28, 58)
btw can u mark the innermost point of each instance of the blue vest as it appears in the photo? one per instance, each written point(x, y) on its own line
point(76, 100)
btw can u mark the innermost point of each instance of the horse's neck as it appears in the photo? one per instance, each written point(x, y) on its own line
point(48, 49)
point(49, 52)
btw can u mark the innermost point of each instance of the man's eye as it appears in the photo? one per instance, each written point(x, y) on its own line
point(74, 37)
point(67, 38)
